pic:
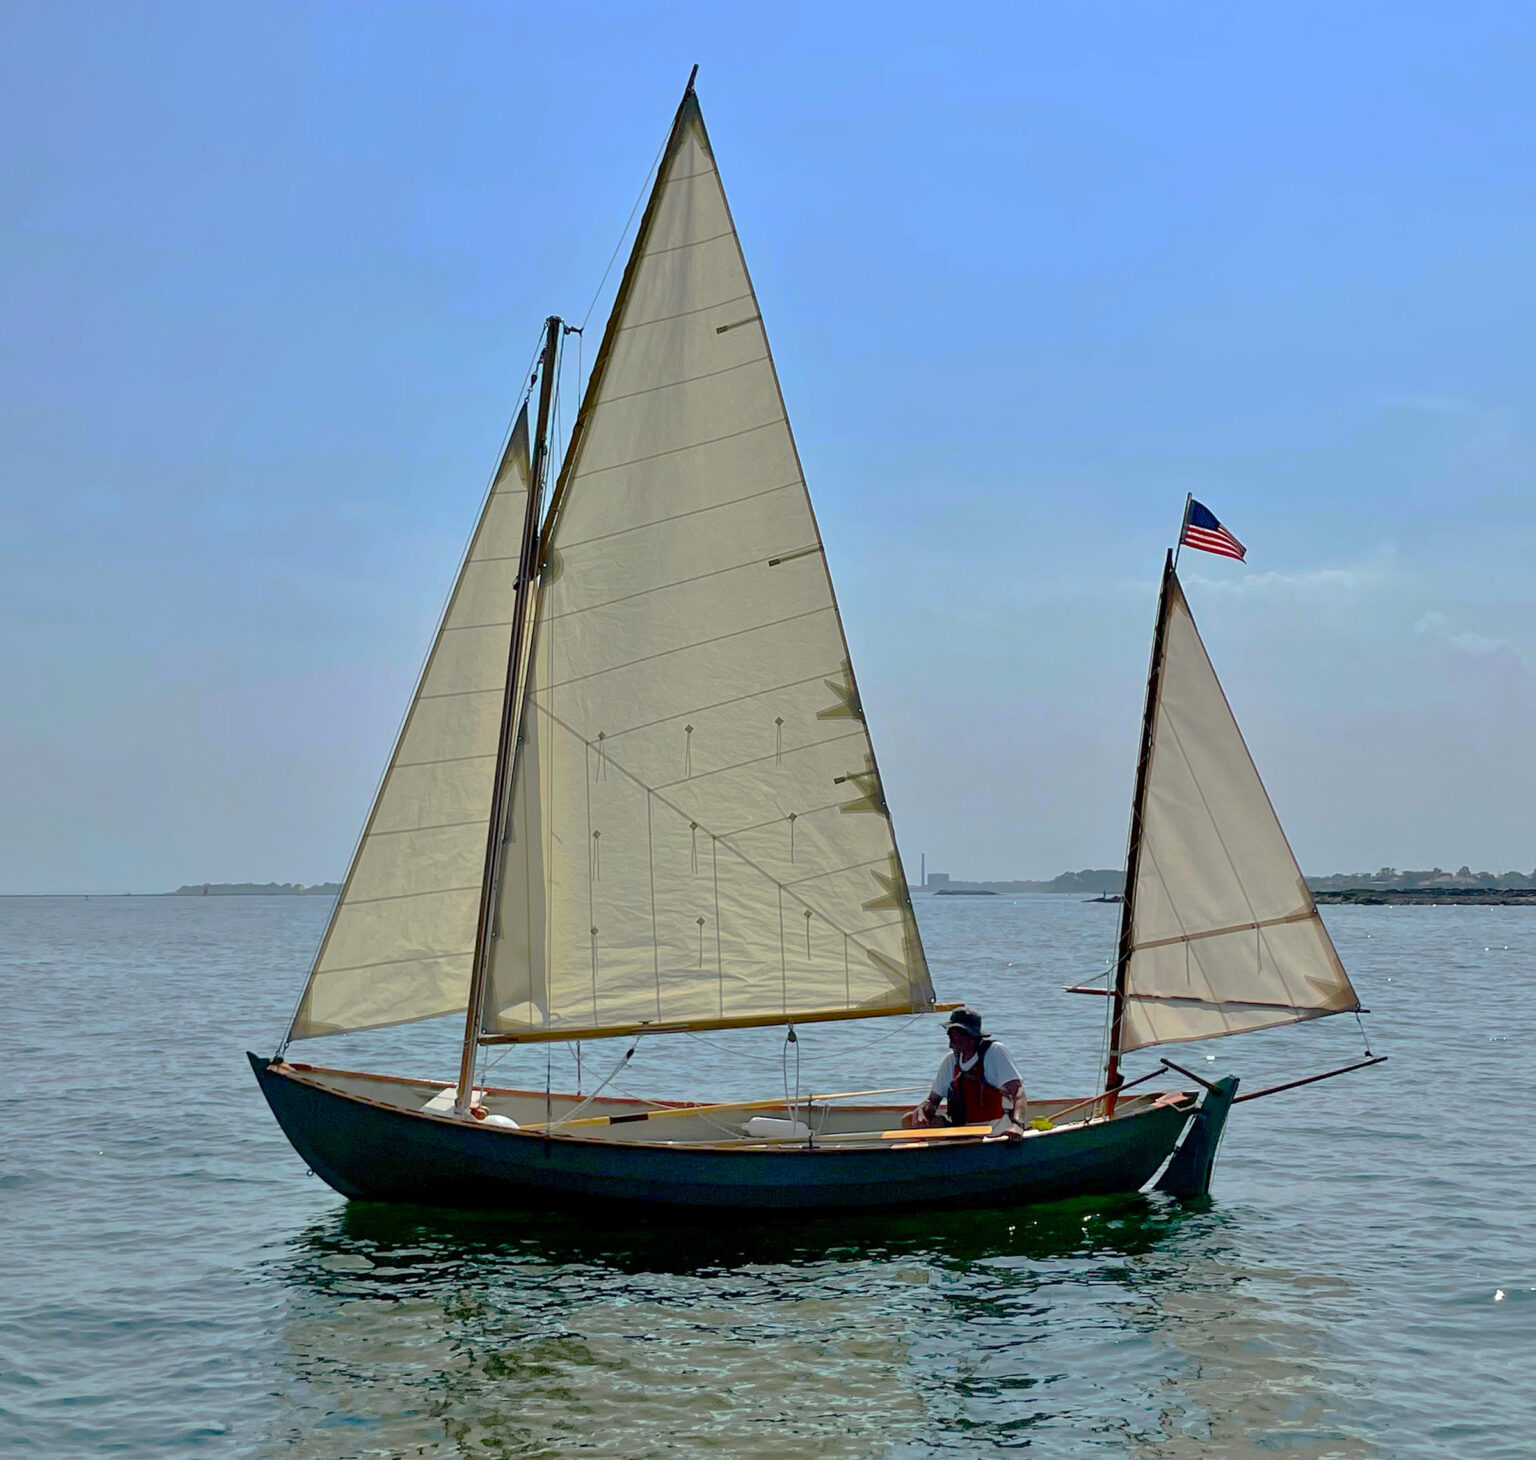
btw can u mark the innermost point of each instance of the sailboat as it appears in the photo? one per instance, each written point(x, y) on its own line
point(635, 793)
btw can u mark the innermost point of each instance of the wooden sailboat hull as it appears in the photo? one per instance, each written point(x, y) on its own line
point(369, 1150)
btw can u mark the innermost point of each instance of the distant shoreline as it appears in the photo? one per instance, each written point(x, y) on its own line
point(1430, 897)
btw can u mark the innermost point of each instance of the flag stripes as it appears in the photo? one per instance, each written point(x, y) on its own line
point(1203, 531)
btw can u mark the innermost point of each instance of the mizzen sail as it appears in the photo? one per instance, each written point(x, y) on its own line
point(698, 835)
point(402, 937)
point(1223, 934)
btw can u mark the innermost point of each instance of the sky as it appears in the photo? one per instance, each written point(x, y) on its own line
point(270, 277)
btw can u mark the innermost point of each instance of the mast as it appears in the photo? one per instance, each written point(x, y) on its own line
point(527, 572)
point(1112, 1076)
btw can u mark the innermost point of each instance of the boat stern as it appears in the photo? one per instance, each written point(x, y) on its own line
point(1188, 1173)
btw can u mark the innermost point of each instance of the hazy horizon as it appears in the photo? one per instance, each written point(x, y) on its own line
point(273, 276)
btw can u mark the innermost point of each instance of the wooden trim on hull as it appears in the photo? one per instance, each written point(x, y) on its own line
point(369, 1151)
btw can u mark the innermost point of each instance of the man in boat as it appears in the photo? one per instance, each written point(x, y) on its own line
point(977, 1081)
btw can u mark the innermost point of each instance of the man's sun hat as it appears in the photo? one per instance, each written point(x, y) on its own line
point(967, 1020)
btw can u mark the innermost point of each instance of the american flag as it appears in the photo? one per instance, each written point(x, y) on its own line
point(1203, 531)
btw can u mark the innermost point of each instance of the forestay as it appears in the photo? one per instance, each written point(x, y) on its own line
point(401, 939)
point(1225, 934)
point(698, 834)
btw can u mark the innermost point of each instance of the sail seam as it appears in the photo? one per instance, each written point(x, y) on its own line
point(686, 177)
point(568, 547)
point(500, 623)
point(403, 896)
point(838, 871)
point(456, 694)
point(641, 324)
point(402, 765)
point(874, 928)
point(657, 588)
point(721, 704)
point(684, 648)
point(653, 253)
point(437, 826)
point(609, 400)
point(779, 820)
point(1303, 915)
point(396, 962)
point(756, 760)
point(592, 471)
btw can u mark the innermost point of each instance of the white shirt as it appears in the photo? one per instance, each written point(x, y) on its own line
point(998, 1070)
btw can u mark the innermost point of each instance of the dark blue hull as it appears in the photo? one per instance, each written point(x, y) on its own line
point(369, 1150)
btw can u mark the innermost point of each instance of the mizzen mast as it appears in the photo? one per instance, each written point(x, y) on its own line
point(1127, 944)
point(527, 576)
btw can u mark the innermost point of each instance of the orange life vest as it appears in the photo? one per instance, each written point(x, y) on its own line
point(971, 1099)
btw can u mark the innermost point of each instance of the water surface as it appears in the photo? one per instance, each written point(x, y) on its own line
point(1361, 1284)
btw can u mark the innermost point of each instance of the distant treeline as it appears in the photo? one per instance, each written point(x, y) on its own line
point(1389, 879)
point(256, 889)
point(1093, 881)
point(1089, 880)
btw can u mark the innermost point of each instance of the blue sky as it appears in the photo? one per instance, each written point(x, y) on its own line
point(270, 277)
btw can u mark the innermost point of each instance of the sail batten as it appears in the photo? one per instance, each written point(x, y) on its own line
point(1222, 934)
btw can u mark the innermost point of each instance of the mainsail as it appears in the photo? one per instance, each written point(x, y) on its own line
point(401, 939)
point(698, 835)
point(1221, 932)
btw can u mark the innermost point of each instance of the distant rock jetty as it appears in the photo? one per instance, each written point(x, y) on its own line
point(941, 884)
point(1432, 896)
point(1434, 888)
point(256, 889)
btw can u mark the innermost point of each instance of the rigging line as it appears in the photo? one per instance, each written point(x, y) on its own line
point(791, 1038)
point(714, 862)
point(591, 869)
point(640, 197)
point(577, 1109)
point(740, 1057)
point(650, 859)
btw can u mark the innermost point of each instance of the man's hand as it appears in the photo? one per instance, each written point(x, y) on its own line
point(925, 1115)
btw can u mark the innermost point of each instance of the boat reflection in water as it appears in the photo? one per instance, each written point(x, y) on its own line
point(1118, 1326)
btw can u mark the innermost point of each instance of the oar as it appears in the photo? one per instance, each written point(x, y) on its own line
point(663, 1114)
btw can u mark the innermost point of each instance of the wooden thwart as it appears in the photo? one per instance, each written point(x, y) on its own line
point(672, 1111)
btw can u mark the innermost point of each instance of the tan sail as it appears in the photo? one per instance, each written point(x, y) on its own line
point(1224, 934)
point(698, 834)
point(402, 936)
